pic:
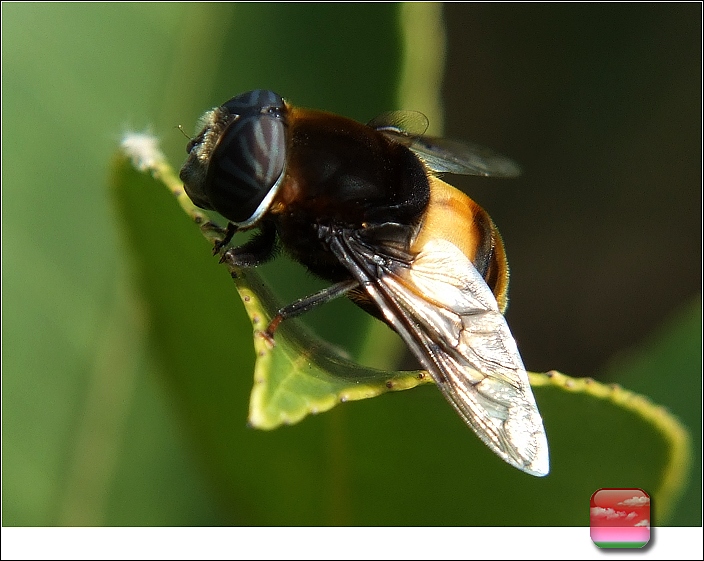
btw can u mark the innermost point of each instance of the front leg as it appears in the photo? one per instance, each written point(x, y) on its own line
point(257, 251)
point(227, 234)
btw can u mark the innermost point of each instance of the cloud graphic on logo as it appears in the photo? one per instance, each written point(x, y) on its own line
point(645, 523)
point(610, 513)
point(635, 501)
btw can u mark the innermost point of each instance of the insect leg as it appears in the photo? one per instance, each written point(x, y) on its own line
point(258, 250)
point(227, 237)
point(308, 303)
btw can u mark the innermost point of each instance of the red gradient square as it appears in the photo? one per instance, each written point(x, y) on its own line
point(620, 518)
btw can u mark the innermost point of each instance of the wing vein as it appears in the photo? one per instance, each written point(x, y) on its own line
point(451, 323)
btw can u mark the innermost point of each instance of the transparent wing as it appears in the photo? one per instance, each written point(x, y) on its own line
point(440, 154)
point(406, 124)
point(447, 315)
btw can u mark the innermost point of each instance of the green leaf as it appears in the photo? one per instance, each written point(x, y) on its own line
point(90, 437)
point(667, 367)
point(300, 374)
point(600, 436)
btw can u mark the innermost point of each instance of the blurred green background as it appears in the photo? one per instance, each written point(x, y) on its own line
point(600, 104)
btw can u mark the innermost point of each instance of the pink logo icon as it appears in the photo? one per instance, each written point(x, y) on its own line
point(620, 518)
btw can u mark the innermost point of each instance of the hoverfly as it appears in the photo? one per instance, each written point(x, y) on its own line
point(362, 207)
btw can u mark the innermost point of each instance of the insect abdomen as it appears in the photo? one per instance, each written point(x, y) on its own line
point(453, 216)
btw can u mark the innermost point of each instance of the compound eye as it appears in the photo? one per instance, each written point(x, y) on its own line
point(256, 101)
point(250, 157)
